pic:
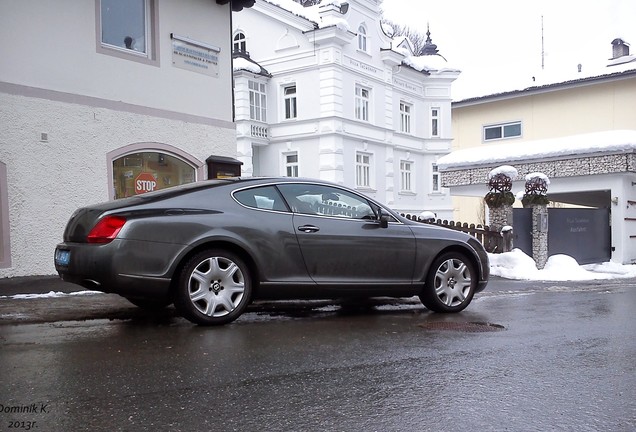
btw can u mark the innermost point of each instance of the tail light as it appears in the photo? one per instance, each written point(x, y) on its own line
point(106, 229)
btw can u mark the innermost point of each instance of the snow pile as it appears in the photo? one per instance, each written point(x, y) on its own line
point(517, 265)
point(52, 294)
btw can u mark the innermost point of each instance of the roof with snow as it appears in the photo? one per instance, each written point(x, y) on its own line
point(607, 142)
point(430, 62)
point(242, 61)
point(614, 70)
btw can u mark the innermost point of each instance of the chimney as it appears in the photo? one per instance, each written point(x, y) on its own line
point(619, 48)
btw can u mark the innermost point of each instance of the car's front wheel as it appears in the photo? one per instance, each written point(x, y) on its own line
point(214, 288)
point(450, 284)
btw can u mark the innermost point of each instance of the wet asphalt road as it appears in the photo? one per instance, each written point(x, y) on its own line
point(522, 357)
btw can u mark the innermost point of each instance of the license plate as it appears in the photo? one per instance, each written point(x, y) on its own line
point(62, 257)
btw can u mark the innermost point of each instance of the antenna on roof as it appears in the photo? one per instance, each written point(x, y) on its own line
point(542, 46)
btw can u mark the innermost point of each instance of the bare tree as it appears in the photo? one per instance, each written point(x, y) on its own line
point(417, 39)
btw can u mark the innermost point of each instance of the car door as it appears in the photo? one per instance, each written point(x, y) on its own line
point(266, 228)
point(341, 240)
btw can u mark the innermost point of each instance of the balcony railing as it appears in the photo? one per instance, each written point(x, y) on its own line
point(259, 131)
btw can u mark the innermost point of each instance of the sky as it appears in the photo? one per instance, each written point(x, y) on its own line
point(497, 44)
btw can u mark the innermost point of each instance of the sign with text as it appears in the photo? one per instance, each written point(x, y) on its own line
point(145, 182)
point(195, 56)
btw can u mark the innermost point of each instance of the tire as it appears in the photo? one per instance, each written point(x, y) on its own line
point(450, 284)
point(214, 288)
point(150, 304)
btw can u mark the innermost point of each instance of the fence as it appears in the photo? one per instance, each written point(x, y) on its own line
point(493, 241)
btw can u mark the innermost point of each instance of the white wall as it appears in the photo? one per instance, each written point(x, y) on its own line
point(52, 44)
point(47, 181)
point(55, 81)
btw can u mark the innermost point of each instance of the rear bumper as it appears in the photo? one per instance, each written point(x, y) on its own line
point(128, 268)
point(127, 286)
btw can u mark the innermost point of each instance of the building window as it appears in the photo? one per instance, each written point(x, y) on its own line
point(5, 247)
point(239, 42)
point(406, 169)
point(502, 131)
point(138, 173)
point(362, 38)
point(258, 101)
point(434, 122)
point(291, 165)
point(363, 170)
point(362, 98)
point(405, 117)
point(436, 181)
point(290, 102)
point(126, 26)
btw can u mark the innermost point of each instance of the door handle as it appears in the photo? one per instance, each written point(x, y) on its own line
point(308, 228)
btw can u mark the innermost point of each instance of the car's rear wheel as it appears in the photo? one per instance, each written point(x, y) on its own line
point(214, 288)
point(450, 284)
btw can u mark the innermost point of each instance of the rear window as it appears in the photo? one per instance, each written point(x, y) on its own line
point(263, 198)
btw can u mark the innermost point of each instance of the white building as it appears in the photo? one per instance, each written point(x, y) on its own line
point(324, 92)
point(96, 94)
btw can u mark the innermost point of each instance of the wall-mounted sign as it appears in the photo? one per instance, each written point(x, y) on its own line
point(195, 56)
point(362, 66)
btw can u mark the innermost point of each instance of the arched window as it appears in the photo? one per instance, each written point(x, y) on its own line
point(240, 42)
point(362, 38)
point(142, 167)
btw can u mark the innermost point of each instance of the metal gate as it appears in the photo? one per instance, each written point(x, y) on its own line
point(583, 234)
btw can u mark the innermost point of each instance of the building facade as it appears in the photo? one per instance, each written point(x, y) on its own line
point(329, 94)
point(580, 132)
point(104, 99)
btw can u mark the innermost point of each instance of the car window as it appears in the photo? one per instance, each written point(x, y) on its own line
point(325, 201)
point(264, 197)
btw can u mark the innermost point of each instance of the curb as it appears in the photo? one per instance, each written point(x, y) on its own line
point(35, 285)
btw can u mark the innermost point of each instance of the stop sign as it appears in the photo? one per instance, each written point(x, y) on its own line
point(145, 182)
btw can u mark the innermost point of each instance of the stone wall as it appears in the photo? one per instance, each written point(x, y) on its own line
point(500, 217)
point(539, 237)
point(604, 164)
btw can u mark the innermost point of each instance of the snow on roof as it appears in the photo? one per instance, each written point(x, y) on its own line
point(341, 23)
point(575, 145)
point(428, 63)
point(310, 13)
point(241, 63)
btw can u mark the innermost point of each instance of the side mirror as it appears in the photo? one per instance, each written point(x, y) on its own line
point(383, 218)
